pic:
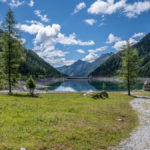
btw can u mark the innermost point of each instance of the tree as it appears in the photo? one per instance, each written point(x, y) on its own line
point(130, 66)
point(12, 50)
point(31, 85)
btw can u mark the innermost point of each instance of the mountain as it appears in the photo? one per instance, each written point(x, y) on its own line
point(83, 68)
point(79, 68)
point(110, 67)
point(36, 66)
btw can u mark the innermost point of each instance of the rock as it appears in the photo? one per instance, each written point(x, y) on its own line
point(22, 148)
point(102, 94)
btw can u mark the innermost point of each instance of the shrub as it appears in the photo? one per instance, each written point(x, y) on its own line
point(31, 85)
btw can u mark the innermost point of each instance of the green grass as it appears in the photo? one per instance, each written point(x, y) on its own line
point(142, 93)
point(67, 121)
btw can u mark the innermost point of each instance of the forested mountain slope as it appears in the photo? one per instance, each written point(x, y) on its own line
point(36, 66)
point(110, 67)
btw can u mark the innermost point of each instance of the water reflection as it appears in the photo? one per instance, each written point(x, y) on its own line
point(88, 86)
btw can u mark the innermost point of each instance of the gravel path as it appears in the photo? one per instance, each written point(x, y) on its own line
point(140, 137)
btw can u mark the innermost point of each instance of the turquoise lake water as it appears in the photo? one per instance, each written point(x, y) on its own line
point(89, 86)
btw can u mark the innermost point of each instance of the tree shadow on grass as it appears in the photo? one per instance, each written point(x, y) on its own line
point(25, 95)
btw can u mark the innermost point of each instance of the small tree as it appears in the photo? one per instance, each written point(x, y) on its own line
point(31, 85)
point(103, 86)
point(130, 66)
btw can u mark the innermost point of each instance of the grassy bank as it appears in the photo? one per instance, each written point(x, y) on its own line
point(142, 93)
point(67, 121)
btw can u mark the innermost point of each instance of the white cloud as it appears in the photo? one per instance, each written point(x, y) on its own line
point(47, 37)
point(81, 51)
point(106, 7)
point(98, 49)
point(16, 3)
point(101, 24)
point(32, 29)
point(109, 7)
point(90, 21)
point(42, 17)
point(57, 62)
point(138, 35)
point(52, 54)
point(119, 45)
point(112, 38)
point(79, 7)
point(132, 10)
point(31, 4)
point(90, 57)
point(71, 40)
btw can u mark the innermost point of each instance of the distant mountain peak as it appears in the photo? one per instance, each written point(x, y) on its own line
point(83, 68)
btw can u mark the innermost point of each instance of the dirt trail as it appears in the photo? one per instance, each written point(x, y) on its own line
point(140, 137)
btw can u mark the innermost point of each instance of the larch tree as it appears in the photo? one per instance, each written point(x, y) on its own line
point(12, 50)
point(130, 66)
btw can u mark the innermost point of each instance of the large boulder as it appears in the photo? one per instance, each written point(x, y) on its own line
point(102, 95)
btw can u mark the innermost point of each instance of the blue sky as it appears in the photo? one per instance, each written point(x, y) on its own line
point(63, 31)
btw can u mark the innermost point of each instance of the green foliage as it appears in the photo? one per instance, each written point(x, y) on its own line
point(130, 66)
point(31, 85)
point(2, 75)
point(109, 67)
point(103, 86)
point(11, 50)
point(36, 66)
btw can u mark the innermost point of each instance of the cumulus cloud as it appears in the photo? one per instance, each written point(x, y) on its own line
point(98, 49)
point(57, 62)
point(46, 38)
point(138, 35)
point(32, 29)
point(106, 7)
point(119, 45)
point(109, 7)
point(79, 7)
point(112, 38)
point(81, 51)
point(92, 56)
point(90, 21)
point(133, 10)
point(42, 17)
point(16, 3)
point(31, 4)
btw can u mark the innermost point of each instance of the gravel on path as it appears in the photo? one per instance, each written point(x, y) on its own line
point(140, 137)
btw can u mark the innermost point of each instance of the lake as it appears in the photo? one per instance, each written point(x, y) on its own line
point(89, 86)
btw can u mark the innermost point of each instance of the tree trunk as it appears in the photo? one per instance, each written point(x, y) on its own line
point(9, 65)
point(129, 93)
point(10, 91)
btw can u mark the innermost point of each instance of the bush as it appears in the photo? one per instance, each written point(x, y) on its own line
point(31, 85)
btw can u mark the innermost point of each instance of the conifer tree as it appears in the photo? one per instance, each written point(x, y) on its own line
point(12, 50)
point(130, 66)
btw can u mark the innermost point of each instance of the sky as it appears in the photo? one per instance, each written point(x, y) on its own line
point(63, 31)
